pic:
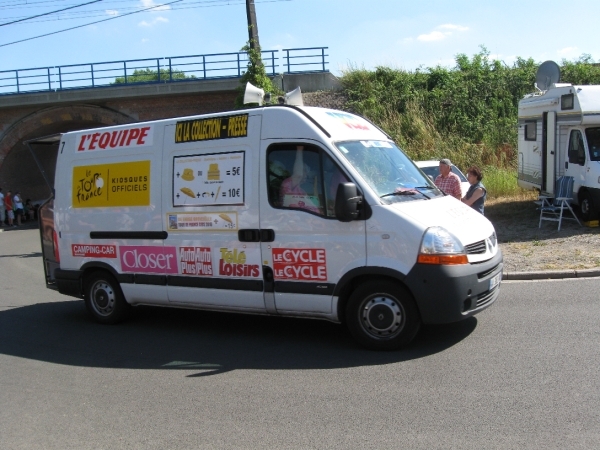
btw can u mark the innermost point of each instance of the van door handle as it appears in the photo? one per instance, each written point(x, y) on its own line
point(249, 235)
point(267, 235)
point(254, 235)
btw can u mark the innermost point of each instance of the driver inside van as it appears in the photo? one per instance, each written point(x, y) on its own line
point(291, 193)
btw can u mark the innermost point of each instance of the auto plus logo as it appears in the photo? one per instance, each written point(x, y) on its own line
point(195, 260)
point(148, 259)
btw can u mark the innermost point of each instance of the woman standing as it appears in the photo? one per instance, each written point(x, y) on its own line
point(475, 196)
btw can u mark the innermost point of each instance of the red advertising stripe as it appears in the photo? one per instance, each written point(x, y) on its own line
point(94, 250)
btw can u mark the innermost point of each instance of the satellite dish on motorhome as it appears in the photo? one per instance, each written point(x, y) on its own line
point(294, 97)
point(547, 74)
point(253, 94)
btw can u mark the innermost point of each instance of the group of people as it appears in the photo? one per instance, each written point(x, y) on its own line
point(12, 207)
point(449, 183)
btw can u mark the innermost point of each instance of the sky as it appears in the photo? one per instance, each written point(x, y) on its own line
point(359, 34)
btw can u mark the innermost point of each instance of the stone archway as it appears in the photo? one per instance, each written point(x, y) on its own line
point(18, 170)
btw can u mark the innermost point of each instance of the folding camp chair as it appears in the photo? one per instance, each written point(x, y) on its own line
point(553, 208)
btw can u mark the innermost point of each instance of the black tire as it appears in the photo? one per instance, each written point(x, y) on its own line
point(587, 207)
point(382, 315)
point(104, 298)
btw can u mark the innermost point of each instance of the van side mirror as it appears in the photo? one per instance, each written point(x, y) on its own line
point(346, 202)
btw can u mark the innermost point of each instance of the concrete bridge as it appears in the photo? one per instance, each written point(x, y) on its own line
point(31, 115)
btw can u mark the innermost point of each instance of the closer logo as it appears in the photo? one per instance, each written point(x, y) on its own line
point(233, 264)
point(300, 264)
point(148, 259)
point(94, 251)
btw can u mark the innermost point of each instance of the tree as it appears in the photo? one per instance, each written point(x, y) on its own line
point(255, 75)
point(150, 75)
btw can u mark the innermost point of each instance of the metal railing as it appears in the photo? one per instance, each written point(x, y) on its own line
point(157, 70)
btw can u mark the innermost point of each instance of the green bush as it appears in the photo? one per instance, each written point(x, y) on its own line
point(467, 113)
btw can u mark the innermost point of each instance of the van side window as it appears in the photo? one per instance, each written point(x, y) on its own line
point(530, 131)
point(302, 177)
point(576, 148)
point(593, 140)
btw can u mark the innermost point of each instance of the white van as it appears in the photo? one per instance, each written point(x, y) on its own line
point(281, 210)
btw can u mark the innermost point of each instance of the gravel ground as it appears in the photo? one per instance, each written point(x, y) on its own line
point(526, 247)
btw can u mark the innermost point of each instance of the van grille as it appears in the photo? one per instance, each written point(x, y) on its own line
point(486, 297)
point(476, 248)
point(481, 275)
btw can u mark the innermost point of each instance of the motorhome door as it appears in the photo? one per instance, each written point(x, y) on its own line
point(548, 152)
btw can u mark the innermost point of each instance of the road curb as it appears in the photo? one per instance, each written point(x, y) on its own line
point(551, 274)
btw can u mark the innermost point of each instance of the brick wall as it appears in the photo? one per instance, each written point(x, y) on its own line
point(18, 170)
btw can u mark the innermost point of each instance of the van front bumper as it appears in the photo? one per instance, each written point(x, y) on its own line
point(446, 294)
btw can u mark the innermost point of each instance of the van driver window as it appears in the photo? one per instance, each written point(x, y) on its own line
point(576, 148)
point(302, 177)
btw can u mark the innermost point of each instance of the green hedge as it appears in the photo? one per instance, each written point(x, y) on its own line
point(467, 113)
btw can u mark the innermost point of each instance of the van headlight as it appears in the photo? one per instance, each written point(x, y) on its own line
point(439, 246)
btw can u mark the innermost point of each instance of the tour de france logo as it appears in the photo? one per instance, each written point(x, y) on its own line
point(120, 184)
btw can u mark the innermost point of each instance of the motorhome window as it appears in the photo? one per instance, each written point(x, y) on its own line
point(576, 148)
point(593, 141)
point(567, 101)
point(303, 177)
point(530, 131)
point(388, 171)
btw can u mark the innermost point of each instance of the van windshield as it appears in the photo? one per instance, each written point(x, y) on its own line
point(388, 171)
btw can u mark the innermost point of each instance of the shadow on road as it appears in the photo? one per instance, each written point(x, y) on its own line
point(24, 255)
point(206, 343)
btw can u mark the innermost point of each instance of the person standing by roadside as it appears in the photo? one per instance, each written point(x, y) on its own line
point(18, 207)
point(8, 205)
point(448, 182)
point(475, 196)
point(1, 208)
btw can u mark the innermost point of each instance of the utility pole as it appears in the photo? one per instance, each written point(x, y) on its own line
point(252, 25)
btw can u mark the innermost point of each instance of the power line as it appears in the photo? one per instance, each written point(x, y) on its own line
point(91, 23)
point(48, 13)
point(74, 15)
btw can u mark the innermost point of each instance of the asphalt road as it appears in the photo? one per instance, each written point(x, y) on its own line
point(523, 374)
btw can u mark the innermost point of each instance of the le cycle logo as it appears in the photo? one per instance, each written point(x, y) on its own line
point(300, 264)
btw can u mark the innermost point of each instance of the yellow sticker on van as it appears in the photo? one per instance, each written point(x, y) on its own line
point(106, 185)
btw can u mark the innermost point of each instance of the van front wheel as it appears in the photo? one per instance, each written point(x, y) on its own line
point(382, 315)
point(104, 298)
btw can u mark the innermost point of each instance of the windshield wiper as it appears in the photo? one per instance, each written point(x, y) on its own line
point(402, 191)
point(410, 191)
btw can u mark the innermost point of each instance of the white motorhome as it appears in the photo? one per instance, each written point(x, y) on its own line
point(280, 210)
point(559, 134)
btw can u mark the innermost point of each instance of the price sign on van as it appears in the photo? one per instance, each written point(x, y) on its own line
point(203, 180)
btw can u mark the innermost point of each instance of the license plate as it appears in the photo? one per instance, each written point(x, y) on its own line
point(495, 281)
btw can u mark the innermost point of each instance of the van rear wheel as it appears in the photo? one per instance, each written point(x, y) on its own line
point(104, 298)
point(382, 315)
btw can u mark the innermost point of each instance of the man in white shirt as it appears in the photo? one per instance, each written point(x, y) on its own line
point(18, 202)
